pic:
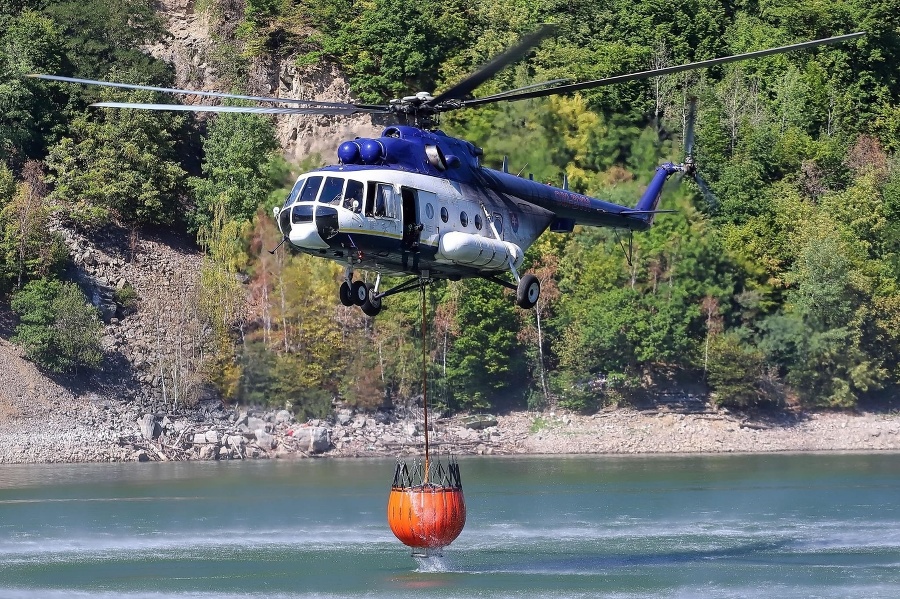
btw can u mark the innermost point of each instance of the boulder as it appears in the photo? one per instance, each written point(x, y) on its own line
point(234, 441)
point(283, 417)
point(264, 440)
point(150, 428)
point(208, 452)
point(254, 423)
point(212, 437)
point(344, 417)
point(313, 439)
point(478, 421)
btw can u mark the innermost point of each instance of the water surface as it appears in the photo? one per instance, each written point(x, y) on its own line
point(554, 527)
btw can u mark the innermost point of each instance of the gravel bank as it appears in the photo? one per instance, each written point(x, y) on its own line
point(43, 423)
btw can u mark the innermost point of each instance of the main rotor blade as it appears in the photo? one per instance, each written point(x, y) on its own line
point(501, 95)
point(517, 52)
point(326, 110)
point(192, 92)
point(564, 89)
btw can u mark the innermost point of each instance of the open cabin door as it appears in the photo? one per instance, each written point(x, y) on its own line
point(412, 227)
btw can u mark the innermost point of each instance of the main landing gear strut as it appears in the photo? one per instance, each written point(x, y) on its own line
point(368, 297)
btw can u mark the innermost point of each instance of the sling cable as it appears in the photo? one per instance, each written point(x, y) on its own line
point(426, 509)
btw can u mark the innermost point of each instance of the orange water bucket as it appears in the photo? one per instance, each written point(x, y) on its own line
point(425, 514)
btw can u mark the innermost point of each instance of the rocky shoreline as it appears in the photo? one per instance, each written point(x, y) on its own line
point(47, 421)
point(92, 429)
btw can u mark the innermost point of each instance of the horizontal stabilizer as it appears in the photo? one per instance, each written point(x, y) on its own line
point(648, 211)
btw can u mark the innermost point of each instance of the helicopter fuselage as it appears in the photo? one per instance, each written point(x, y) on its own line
point(416, 201)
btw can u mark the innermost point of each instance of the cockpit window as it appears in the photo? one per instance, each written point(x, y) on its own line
point(353, 196)
point(311, 189)
point(332, 189)
point(292, 197)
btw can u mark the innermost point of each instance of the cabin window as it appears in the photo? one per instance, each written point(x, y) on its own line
point(292, 197)
point(331, 191)
point(353, 196)
point(311, 189)
point(478, 222)
point(498, 223)
point(445, 214)
point(429, 211)
point(385, 201)
point(464, 219)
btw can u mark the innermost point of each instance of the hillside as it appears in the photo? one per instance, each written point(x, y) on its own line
point(776, 293)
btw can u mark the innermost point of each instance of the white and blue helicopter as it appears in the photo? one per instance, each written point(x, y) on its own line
point(418, 202)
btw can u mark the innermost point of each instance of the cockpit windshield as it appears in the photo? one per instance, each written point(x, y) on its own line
point(292, 197)
point(311, 189)
point(331, 191)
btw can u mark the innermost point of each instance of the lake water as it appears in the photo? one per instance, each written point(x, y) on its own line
point(773, 526)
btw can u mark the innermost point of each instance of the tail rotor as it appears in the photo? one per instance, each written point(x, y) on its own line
point(690, 165)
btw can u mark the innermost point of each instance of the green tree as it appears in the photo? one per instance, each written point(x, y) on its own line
point(735, 370)
point(486, 357)
point(118, 165)
point(29, 250)
point(102, 36)
point(239, 153)
point(30, 110)
point(57, 328)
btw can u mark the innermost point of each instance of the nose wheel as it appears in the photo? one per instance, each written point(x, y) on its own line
point(360, 294)
point(372, 305)
point(346, 294)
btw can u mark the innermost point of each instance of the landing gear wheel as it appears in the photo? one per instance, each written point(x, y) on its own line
point(346, 294)
point(372, 305)
point(528, 291)
point(359, 293)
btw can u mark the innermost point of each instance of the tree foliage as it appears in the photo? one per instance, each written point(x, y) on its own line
point(238, 169)
point(786, 286)
point(118, 165)
point(57, 328)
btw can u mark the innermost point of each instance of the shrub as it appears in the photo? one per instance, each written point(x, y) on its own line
point(57, 328)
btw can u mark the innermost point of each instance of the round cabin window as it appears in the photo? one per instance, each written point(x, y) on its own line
point(429, 211)
point(445, 215)
point(478, 222)
point(464, 219)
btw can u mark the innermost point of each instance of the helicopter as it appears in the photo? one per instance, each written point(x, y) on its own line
point(418, 202)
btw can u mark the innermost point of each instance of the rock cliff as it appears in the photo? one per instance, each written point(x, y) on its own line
point(197, 37)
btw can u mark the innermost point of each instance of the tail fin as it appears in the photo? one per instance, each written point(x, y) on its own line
point(650, 200)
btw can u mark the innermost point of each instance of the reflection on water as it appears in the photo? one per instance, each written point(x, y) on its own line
point(562, 527)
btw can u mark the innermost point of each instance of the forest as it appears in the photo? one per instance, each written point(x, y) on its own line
point(779, 291)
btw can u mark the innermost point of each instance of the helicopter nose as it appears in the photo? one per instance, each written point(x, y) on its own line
point(299, 225)
point(326, 221)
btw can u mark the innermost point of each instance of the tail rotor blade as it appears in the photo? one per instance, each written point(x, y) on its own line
point(707, 193)
point(689, 129)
